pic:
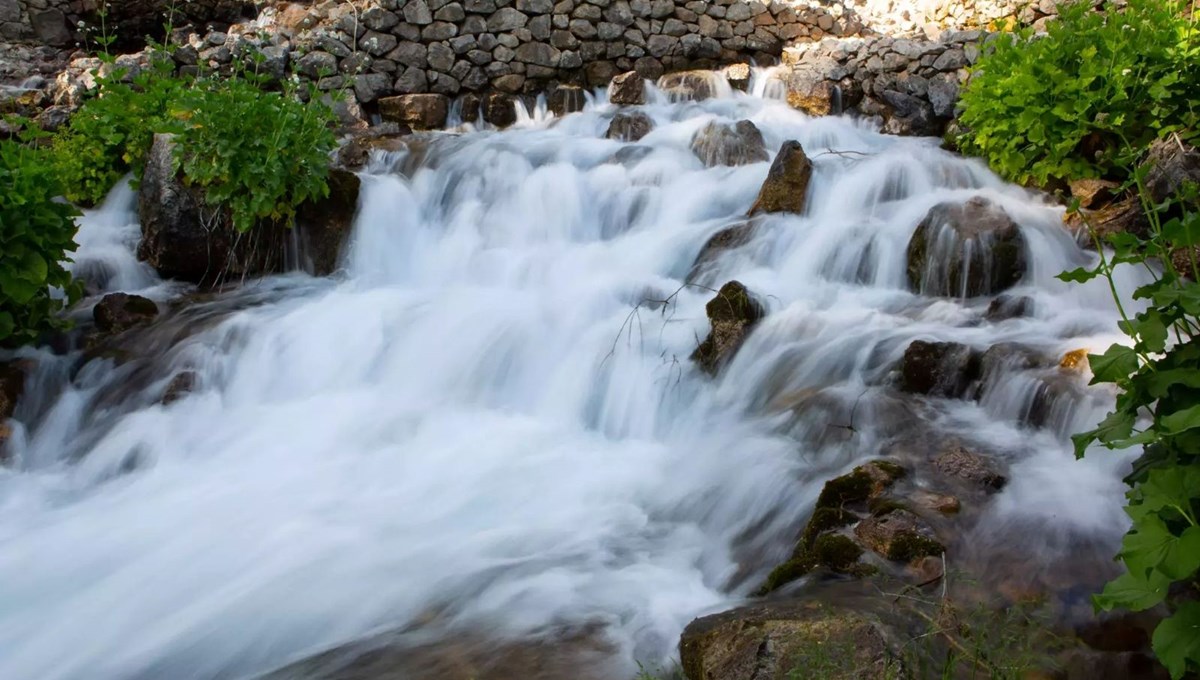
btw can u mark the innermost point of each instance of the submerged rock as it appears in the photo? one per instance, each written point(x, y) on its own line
point(732, 313)
point(786, 186)
point(1006, 307)
point(566, 99)
point(629, 126)
point(627, 89)
point(899, 536)
point(966, 250)
point(939, 369)
point(356, 150)
point(180, 386)
point(720, 242)
point(689, 85)
point(722, 144)
point(325, 224)
point(118, 312)
point(975, 468)
point(418, 111)
point(785, 639)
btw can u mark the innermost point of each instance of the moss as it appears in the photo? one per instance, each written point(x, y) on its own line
point(883, 506)
point(849, 488)
point(837, 552)
point(822, 520)
point(894, 471)
point(908, 546)
point(786, 573)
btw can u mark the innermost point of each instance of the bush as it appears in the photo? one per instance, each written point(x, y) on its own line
point(258, 154)
point(1069, 103)
point(36, 233)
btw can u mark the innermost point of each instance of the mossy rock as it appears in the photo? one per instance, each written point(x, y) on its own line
point(731, 313)
point(837, 553)
point(786, 188)
point(860, 484)
point(898, 535)
point(822, 520)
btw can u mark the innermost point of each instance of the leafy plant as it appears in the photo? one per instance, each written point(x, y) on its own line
point(36, 232)
point(258, 154)
point(1158, 408)
point(1069, 104)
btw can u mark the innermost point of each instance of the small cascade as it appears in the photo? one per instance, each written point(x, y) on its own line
point(488, 426)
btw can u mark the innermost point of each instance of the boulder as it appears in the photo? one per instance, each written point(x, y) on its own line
point(1093, 193)
point(732, 313)
point(566, 99)
point(118, 312)
point(720, 242)
point(978, 470)
point(417, 111)
point(689, 85)
point(325, 224)
point(12, 385)
point(785, 639)
point(939, 369)
point(966, 250)
point(809, 91)
point(629, 126)
point(899, 536)
point(737, 144)
point(627, 89)
point(1123, 216)
point(738, 76)
point(860, 484)
point(786, 188)
point(1172, 164)
point(183, 384)
point(499, 109)
point(1006, 307)
point(356, 150)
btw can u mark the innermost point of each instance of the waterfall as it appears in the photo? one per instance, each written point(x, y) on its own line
point(487, 423)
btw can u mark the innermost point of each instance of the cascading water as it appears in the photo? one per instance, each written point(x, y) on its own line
point(486, 425)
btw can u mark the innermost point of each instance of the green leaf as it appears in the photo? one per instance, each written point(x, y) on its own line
point(1128, 591)
point(1181, 421)
point(1115, 365)
point(1176, 640)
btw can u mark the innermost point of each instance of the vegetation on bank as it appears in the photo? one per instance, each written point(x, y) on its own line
point(1082, 100)
point(254, 147)
point(1087, 100)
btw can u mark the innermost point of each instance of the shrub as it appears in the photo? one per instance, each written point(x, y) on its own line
point(258, 154)
point(1069, 103)
point(36, 233)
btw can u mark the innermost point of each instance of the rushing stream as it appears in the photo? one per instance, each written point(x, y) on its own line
point(486, 423)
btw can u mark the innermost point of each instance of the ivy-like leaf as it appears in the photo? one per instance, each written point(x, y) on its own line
point(1181, 421)
point(1176, 641)
point(1130, 592)
point(1116, 364)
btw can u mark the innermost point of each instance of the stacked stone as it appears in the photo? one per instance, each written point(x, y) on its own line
point(446, 47)
point(910, 85)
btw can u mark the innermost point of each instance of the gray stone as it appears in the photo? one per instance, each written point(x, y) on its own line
point(620, 13)
point(377, 44)
point(334, 46)
point(474, 24)
point(453, 13)
point(316, 64)
point(589, 12)
point(417, 12)
point(418, 111)
point(570, 60)
point(506, 19)
point(480, 6)
point(535, 6)
point(379, 19)
point(440, 57)
point(661, 45)
point(539, 54)
point(503, 54)
point(50, 27)
point(439, 30)
point(583, 29)
point(371, 86)
point(606, 31)
point(943, 94)
point(951, 60)
point(463, 44)
point(509, 83)
point(410, 54)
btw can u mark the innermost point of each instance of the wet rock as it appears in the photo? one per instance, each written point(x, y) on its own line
point(629, 126)
point(118, 312)
point(689, 85)
point(720, 242)
point(324, 224)
point(732, 313)
point(1006, 307)
point(627, 89)
point(899, 536)
point(737, 144)
point(939, 369)
point(499, 109)
point(966, 250)
point(809, 91)
point(1075, 361)
point(566, 99)
point(1093, 193)
point(1124, 216)
point(417, 111)
point(835, 552)
point(786, 186)
point(738, 76)
point(356, 151)
point(1172, 164)
point(784, 639)
point(180, 386)
point(860, 484)
point(938, 502)
point(12, 385)
point(977, 469)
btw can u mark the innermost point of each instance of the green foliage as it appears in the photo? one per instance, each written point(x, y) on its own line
point(1070, 103)
point(1158, 408)
point(259, 154)
point(36, 232)
point(109, 135)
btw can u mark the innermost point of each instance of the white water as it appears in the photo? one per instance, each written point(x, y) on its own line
point(470, 429)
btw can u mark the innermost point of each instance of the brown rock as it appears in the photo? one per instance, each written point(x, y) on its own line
point(786, 186)
point(966, 250)
point(1093, 193)
point(1172, 164)
point(325, 224)
point(957, 461)
point(943, 503)
point(499, 109)
point(899, 536)
point(1124, 216)
point(732, 313)
point(180, 386)
point(939, 369)
point(1074, 361)
point(627, 89)
point(566, 99)
point(689, 85)
point(417, 111)
point(629, 126)
point(786, 639)
point(118, 312)
point(12, 385)
point(738, 144)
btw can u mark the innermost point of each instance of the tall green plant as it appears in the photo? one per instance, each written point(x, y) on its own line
point(36, 233)
point(1068, 104)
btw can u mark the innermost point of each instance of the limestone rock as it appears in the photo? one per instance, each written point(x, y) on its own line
point(629, 126)
point(418, 111)
point(786, 186)
point(722, 144)
point(966, 250)
point(627, 89)
point(732, 313)
point(962, 463)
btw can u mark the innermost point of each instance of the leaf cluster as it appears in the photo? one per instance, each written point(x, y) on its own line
point(1070, 103)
